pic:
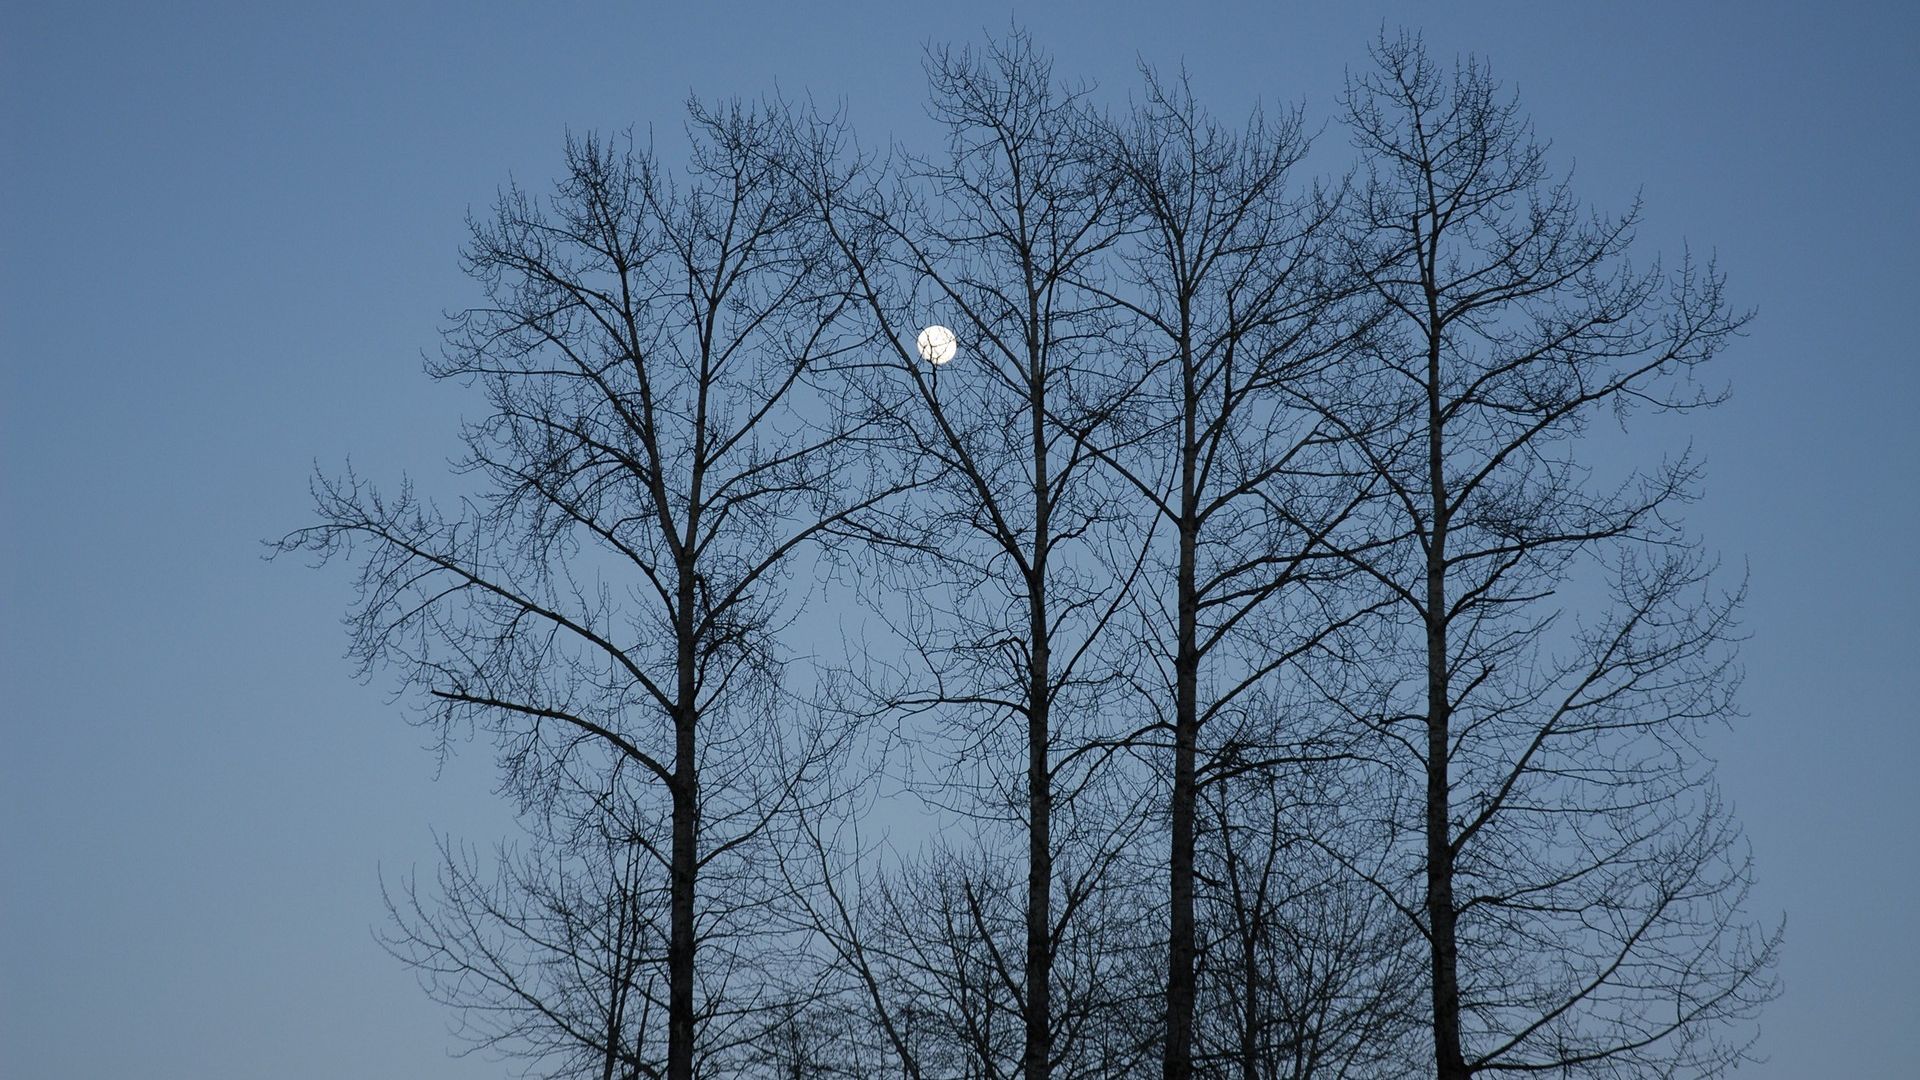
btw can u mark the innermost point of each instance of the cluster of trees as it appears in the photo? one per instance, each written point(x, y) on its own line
point(1259, 676)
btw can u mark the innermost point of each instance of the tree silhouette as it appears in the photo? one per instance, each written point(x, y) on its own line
point(1286, 679)
point(1572, 871)
point(987, 574)
point(1233, 311)
point(663, 440)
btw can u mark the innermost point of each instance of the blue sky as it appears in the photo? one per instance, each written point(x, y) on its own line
point(229, 230)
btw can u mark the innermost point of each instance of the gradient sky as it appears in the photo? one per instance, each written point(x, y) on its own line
point(227, 231)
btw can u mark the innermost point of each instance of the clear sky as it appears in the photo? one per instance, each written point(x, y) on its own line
point(227, 231)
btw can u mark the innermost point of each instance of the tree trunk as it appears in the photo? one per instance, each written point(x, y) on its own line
point(1449, 1063)
point(1250, 992)
point(1037, 1056)
point(680, 942)
point(1180, 943)
point(1178, 1061)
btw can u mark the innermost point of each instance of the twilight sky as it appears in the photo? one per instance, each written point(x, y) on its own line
point(227, 233)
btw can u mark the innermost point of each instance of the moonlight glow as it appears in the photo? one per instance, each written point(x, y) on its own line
point(937, 345)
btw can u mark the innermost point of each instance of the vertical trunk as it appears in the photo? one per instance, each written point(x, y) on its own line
point(1178, 1061)
point(1180, 945)
point(1037, 1057)
point(621, 979)
point(1449, 1062)
point(1039, 1034)
point(680, 943)
point(1250, 992)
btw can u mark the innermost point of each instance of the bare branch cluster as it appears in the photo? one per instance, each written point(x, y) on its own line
point(1255, 670)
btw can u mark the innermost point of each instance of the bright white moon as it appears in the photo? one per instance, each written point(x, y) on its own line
point(937, 345)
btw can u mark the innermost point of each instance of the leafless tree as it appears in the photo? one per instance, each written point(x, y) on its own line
point(1304, 970)
point(1258, 511)
point(554, 953)
point(1234, 311)
point(663, 439)
point(993, 576)
point(1577, 882)
point(914, 944)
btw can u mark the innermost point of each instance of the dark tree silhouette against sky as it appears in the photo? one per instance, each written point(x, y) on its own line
point(229, 232)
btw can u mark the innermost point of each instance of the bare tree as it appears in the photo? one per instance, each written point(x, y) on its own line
point(554, 955)
point(992, 576)
point(663, 439)
point(1235, 311)
point(1577, 883)
point(1305, 971)
point(1252, 509)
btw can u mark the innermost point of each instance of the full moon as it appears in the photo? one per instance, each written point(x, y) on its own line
point(937, 345)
